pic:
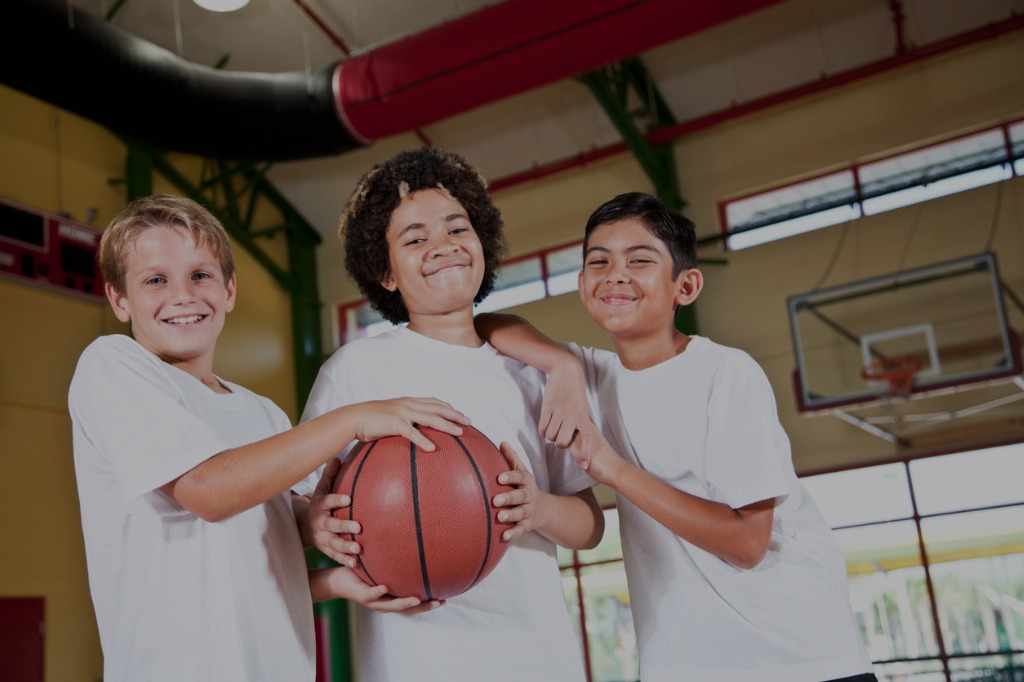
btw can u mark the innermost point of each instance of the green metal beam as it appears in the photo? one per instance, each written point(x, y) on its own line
point(630, 97)
point(237, 231)
point(139, 172)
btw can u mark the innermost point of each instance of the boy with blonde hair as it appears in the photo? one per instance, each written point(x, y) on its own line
point(194, 553)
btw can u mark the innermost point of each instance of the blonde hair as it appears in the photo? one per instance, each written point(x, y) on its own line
point(160, 210)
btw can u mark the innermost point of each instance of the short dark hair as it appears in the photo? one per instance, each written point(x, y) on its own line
point(365, 221)
point(676, 231)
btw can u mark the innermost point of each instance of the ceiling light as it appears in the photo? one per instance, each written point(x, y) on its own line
point(221, 5)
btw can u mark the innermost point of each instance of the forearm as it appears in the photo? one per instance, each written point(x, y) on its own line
point(573, 521)
point(518, 339)
point(243, 477)
point(739, 536)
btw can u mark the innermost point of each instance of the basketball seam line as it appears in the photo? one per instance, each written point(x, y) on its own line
point(487, 509)
point(419, 527)
point(352, 506)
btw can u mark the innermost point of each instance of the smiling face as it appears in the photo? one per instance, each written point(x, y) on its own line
point(175, 298)
point(627, 285)
point(437, 262)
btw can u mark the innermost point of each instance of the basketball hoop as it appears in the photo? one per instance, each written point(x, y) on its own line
point(897, 372)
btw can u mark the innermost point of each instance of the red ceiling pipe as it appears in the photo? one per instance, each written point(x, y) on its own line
point(505, 49)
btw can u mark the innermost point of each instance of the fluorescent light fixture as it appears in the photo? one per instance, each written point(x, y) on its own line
point(221, 5)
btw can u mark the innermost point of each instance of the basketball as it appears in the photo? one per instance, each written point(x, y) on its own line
point(429, 527)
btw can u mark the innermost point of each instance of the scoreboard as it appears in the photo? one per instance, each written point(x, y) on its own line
point(48, 250)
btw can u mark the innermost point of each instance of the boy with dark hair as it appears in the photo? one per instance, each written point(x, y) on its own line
point(194, 554)
point(423, 241)
point(733, 573)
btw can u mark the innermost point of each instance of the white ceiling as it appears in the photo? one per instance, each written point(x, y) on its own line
point(787, 45)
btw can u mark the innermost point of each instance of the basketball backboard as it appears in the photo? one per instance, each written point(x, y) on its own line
point(947, 322)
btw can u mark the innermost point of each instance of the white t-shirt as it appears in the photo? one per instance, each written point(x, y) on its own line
point(178, 598)
point(705, 421)
point(514, 625)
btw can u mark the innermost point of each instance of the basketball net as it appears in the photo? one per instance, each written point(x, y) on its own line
point(897, 372)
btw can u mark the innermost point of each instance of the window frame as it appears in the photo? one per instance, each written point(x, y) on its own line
point(859, 204)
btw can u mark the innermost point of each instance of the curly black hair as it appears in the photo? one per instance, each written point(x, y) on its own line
point(365, 221)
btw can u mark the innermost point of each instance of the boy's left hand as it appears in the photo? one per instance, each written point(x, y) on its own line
point(523, 506)
point(321, 529)
point(564, 407)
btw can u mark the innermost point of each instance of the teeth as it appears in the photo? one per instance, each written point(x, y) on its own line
point(188, 319)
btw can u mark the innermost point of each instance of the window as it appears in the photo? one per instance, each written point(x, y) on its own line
point(867, 189)
point(596, 594)
point(934, 550)
point(938, 590)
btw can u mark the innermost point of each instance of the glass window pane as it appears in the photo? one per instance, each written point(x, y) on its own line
point(567, 259)
point(982, 478)
point(793, 227)
point(841, 496)
point(933, 190)
point(932, 164)
point(888, 590)
point(988, 668)
point(1017, 139)
point(910, 671)
point(510, 297)
point(518, 273)
point(518, 282)
point(977, 568)
point(610, 637)
point(785, 203)
point(564, 266)
point(563, 284)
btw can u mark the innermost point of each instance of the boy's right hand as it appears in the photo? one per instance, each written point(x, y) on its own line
point(321, 528)
point(343, 583)
point(399, 416)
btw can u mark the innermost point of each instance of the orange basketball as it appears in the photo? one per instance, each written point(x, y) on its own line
point(429, 526)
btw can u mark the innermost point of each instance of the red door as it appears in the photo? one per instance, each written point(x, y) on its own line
point(21, 639)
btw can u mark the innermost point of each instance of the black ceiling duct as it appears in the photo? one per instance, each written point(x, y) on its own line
point(85, 65)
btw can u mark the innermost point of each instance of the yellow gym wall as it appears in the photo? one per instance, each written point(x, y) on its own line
point(744, 302)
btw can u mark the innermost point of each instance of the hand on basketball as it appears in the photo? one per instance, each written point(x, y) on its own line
point(521, 506)
point(564, 407)
point(321, 528)
point(347, 585)
point(399, 416)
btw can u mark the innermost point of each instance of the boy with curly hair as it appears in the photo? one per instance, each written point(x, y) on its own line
point(423, 241)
